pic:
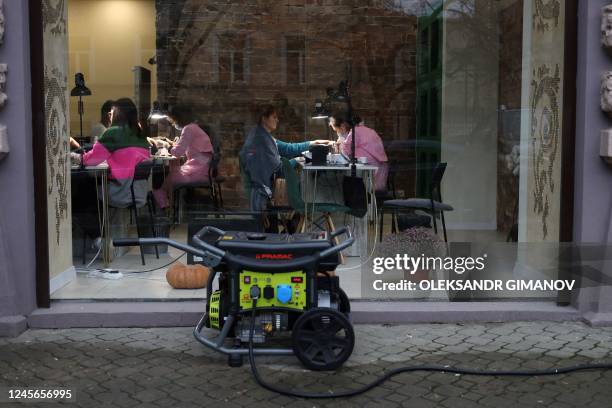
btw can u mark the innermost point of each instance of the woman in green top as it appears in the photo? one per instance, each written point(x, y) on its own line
point(122, 146)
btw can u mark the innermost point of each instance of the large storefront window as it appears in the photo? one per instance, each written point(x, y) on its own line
point(473, 84)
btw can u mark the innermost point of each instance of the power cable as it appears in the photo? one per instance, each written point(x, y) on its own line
point(392, 373)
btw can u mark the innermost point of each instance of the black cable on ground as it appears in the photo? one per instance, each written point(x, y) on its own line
point(394, 372)
point(158, 267)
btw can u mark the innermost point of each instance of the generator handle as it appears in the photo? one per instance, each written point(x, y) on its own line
point(341, 231)
point(210, 255)
point(209, 228)
point(197, 238)
point(341, 246)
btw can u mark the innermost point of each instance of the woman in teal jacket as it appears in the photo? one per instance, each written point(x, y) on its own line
point(260, 157)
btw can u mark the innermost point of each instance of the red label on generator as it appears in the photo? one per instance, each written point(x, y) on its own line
point(274, 257)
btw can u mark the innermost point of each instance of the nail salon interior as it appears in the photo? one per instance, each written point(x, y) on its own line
point(428, 128)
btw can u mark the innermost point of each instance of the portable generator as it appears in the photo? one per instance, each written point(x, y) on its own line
point(270, 285)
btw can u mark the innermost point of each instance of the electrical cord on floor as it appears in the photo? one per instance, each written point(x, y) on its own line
point(406, 369)
point(158, 267)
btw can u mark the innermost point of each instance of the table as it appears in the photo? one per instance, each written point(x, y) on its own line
point(312, 193)
point(102, 171)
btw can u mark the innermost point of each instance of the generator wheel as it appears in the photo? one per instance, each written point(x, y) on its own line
point(344, 305)
point(323, 339)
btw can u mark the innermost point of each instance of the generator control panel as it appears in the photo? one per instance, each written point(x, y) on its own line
point(284, 289)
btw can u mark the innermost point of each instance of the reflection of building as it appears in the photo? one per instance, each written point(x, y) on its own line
point(229, 61)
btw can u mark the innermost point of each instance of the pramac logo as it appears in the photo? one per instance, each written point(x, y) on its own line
point(274, 257)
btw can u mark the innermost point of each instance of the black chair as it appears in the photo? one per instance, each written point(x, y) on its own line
point(433, 205)
point(389, 193)
point(213, 184)
point(142, 171)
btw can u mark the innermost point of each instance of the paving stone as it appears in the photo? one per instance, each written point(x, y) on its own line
point(165, 367)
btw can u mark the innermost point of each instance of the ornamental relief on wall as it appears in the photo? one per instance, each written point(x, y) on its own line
point(546, 13)
point(53, 17)
point(57, 144)
point(545, 139)
point(56, 117)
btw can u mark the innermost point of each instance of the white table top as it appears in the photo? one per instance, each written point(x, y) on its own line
point(336, 167)
point(164, 158)
point(101, 166)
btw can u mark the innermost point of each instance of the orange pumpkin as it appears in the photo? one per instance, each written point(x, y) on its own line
point(181, 276)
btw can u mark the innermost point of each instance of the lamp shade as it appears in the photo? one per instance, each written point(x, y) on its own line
point(320, 110)
point(80, 89)
point(156, 112)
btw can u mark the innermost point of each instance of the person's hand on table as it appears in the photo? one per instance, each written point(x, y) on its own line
point(322, 142)
point(76, 159)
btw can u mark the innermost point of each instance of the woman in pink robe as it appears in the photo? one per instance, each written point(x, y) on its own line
point(367, 144)
point(193, 143)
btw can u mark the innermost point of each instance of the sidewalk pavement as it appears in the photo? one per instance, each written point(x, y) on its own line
point(167, 367)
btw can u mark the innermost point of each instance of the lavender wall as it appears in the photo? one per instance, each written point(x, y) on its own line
point(16, 179)
point(593, 178)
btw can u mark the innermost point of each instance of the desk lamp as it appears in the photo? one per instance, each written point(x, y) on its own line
point(321, 111)
point(156, 112)
point(80, 90)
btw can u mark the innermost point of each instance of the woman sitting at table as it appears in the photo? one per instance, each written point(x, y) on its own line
point(193, 143)
point(367, 144)
point(260, 157)
point(122, 146)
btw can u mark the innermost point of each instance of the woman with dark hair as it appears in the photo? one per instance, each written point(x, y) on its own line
point(193, 143)
point(367, 144)
point(104, 123)
point(260, 157)
point(122, 146)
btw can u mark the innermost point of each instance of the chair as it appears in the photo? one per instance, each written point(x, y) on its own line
point(389, 193)
point(213, 184)
point(298, 205)
point(433, 205)
point(142, 171)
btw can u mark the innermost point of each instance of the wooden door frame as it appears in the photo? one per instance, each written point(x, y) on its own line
point(568, 127)
point(39, 153)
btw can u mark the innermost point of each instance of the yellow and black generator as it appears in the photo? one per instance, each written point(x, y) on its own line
point(269, 285)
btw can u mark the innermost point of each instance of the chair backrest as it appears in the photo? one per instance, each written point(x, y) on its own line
point(142, 171)
point(213, 166)
point(393, 165)
point(293, 186)
point(246, 180)
point(436, 180)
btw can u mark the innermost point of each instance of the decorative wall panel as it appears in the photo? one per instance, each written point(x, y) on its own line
point(545, 114)
point(57, 135)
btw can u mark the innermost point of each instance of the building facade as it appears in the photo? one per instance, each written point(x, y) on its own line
point(506, 93)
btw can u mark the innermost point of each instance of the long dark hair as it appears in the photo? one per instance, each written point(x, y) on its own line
point(182, 114)
point(104, 111)
point(343, 118)
point(126, 114)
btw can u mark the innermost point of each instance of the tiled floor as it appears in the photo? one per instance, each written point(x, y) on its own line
point(135, 285)
point(153, 285)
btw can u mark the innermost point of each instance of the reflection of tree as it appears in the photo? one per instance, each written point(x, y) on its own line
point(185, 42)
point(371, 51)
point(471, 45)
